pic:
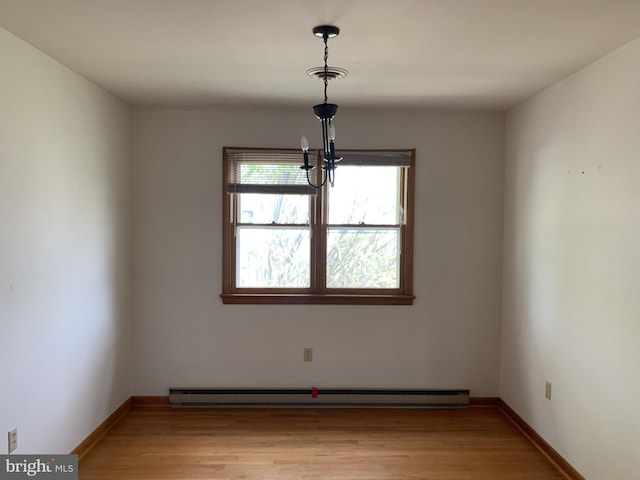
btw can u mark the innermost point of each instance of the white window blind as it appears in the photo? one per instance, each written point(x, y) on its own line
point(278, 171)
point(266, 171)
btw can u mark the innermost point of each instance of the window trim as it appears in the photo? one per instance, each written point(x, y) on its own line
point(318, 210)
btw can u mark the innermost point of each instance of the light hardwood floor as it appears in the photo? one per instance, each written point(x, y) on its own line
point(313, 444)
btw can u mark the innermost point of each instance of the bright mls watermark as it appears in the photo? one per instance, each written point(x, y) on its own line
point(52, 467)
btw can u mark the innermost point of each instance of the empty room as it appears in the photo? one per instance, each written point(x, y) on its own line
point(296, 239)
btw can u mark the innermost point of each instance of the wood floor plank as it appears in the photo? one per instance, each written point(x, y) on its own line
point(314, 444)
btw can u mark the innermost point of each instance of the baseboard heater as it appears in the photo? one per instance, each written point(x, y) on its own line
point(317, 397)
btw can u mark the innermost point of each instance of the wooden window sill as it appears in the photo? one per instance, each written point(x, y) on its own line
point(310, 299)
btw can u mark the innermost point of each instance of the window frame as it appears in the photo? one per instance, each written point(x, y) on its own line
point(318, 293)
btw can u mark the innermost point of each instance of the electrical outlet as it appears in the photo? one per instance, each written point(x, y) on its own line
point(13, 439)
point(547, 390)
point(308, 354)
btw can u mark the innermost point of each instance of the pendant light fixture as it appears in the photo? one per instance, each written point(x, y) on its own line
point(325, 112)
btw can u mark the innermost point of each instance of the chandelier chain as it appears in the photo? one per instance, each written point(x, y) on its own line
point(326, 67)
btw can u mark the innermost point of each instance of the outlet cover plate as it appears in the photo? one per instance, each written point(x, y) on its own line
point(308, 354)
point(13, 440)
point(547, 390)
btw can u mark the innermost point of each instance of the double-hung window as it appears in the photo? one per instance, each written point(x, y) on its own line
point(286, 242)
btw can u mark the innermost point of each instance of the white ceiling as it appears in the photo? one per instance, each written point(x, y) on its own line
point(488, 54)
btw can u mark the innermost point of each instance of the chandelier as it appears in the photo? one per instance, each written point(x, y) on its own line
point(325, 112)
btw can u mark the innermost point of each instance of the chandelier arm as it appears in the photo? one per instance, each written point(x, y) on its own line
point(316, 186)
point(325, 139)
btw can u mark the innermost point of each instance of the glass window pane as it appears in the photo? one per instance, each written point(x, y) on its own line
point(273, 257)
point(363, 258)
point(280, 209)
point(365, 194)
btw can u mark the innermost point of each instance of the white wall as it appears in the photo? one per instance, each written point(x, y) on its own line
point(572, 265)
point(185, 336)
point(64, 251)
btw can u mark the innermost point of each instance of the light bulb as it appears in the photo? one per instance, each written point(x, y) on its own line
point(332, 131)
point(304, 143)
